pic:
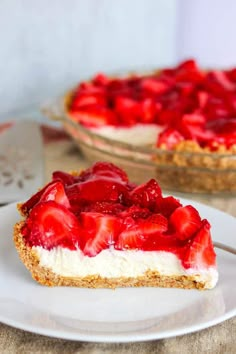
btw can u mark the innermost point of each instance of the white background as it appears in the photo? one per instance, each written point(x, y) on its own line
point(47, 46)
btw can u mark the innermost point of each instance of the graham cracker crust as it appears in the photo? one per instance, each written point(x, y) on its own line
point(46, 276)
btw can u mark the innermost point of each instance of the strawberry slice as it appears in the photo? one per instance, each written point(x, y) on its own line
point(147, 110)
point(217, 108)
point(55, 191)
point(225, 130)
point(227, 139)
point(166, 206)
point(188, 71)
point(50, 225)
point(66, 178)
point(223, 126)
point(221, 78)
point(193, 126)
point(108, 169)
point(194, 118)
point(168, 115)
point(202, 97)
point(87, 100)
point(137, 233)
point(146, 194)
point(101, 79)
point(30, 203)
point(186, 221)
point(87, 95)
point(136, 212)
point(127, 109)
point(94, 116)
point(231, 74)
point(188, 65)
point(159, 222)
point(88, 88)
point(99, 232)
point(154, 86)
point(169, 138)
point(132, 237)
point(97, 190)
point(105, 208)
point(185, 89)
point(197, 133)
point(104, 169)
point(200, 254)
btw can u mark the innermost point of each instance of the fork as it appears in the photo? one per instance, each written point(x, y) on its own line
point(224, 247)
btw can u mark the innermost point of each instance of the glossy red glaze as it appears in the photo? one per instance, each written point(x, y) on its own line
point(100, 208)
point(189, 102)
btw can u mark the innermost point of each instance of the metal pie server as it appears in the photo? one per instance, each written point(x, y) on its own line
point(21, 161)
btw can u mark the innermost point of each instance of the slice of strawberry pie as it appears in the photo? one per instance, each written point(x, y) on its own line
point(97, 229)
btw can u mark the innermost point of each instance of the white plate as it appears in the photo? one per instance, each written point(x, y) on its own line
point(121, 315)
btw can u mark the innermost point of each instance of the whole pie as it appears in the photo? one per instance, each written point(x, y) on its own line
point(186, 113)
point(98, 229)
point(174, 105)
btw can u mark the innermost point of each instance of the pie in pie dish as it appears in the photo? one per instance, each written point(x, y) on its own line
point(169, 107)
point(179, 122)
point(97, 229)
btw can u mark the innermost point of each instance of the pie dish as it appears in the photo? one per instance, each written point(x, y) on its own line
point(97, 229)
point(176, 123)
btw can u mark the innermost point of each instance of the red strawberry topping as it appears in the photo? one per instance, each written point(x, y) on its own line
point(97, 190)
point(200, 254)
point(100, 209)
point(148, 110)
point(169, 138)
point(105, 207)
point(88, 100)
point(52, 191)
point(186, 221)
point(136, 233)
point(99, 232)
point(66, 178)
point(104, 169)
point(55, 191)
point(154, 86)
point(31, 202)
point(146, 194)
point(126, 109)
point(182, 99)
point(166, 205)
point(136, 212)
point(94, 116)
point(100, 80)
point(50, 225)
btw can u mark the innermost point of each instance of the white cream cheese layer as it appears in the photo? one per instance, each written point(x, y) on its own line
point(111, 263)
point(140, 134)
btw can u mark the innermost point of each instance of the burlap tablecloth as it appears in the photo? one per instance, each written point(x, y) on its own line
point(218, 339)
